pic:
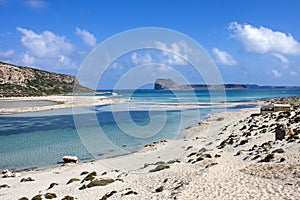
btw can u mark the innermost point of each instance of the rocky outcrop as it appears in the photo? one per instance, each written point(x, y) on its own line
point(168, 84)
point(25, 81)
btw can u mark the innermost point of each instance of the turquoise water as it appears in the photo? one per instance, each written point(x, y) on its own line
point(41, 139)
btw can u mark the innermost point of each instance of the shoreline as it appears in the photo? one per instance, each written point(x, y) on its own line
point(62, 103)
point(66, 101)
point(198, 166)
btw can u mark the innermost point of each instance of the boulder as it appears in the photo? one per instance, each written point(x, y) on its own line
point(280, 131)
point(6, 174)
point(70, 159)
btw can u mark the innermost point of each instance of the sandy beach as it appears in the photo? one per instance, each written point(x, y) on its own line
point(61, 102)
point(228, 156)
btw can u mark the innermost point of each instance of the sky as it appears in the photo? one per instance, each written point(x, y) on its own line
point(251, 41)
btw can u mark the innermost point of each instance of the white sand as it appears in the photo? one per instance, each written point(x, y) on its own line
point(228, 179)
point(62, 102)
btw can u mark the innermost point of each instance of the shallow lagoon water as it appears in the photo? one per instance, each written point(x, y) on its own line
point(41, 139)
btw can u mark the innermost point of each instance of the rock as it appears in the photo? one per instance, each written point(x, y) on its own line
point(268, 158)
point(210, 165)
point(173, 161)
point(159, 189)
point(37, 197)
point(160, 167)
point(70, 159)
point(82, 187)
point(73, 180)
point(50, 195)
point(52, 185)
point(243, 142)
point(27, 179)
point(109, 194)
point(189, 147)
point(90, 177)
point(207, 155)
point(280, 132)
point(130, 192)
point(100, 182)
point(280, 150)
point(6, 174)
point(192, 154)
point(23, 198)
point(4, 186)
point(68, 198)
point(84, 173)
point(198, 159)
point(282, 160)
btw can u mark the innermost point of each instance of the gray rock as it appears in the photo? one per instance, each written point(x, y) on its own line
point(70, 159)
point(280, 131)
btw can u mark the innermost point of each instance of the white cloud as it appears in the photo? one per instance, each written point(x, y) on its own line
point(172, 54)
point(87, 37)
point(141, 59)
point(264, 40)
point(223, 57)
point(35, 3)
point(175, 53)
point(276, 73)
point(293, 73)
point(7, 54)
point(283, 59)
point(47, 50)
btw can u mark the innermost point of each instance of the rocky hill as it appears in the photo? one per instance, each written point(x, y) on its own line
point(25, 81)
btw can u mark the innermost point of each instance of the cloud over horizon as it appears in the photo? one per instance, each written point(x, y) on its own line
point(86, 36)
point(223, 57)
point(46, 49)
point(175, 53)
point(264, 40)
point(285, 62)
point(276, 73)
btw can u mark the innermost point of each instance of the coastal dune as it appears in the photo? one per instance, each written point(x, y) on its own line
point(228, 156)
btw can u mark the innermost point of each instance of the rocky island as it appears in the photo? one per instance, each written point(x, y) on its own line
point(169, 84)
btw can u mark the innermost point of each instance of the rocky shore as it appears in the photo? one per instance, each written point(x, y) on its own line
point(234, 155)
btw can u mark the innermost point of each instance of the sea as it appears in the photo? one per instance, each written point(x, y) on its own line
point(38, 140)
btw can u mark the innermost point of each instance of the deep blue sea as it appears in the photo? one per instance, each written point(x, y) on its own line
point(41, 139)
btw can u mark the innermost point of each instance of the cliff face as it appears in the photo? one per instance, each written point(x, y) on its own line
point(25, 81)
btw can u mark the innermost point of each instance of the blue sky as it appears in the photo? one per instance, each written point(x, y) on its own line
point(251, 41)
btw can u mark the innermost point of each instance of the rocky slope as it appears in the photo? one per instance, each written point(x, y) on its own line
point(25, 81)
